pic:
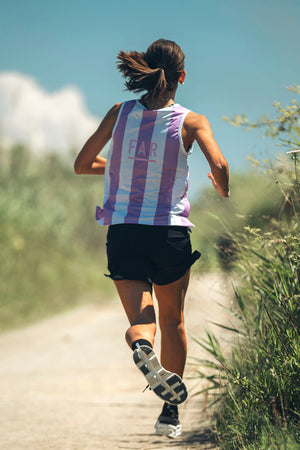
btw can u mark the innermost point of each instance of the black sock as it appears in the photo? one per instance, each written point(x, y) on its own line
point(168, 408)
point(140, 342)
point(173, 407)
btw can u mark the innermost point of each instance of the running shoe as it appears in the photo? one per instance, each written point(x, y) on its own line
point(167, 423)
point(167, 385)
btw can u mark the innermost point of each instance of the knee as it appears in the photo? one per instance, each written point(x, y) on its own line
point(171, 322)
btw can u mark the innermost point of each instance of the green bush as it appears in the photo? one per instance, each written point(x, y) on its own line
point(52, 249)
point(256, 388)
point(258, 384)
point(255, 200)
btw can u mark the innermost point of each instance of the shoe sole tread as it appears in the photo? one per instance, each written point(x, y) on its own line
point(167, 385)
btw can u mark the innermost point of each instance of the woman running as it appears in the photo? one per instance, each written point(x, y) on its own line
point(146, 210)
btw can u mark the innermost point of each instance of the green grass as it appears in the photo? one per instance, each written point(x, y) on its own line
point(257, 387)
point(52, 249)
point(255, 199)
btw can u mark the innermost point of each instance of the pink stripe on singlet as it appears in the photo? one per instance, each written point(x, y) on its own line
point(186, 204)
point(140, 167)
point(115, 162)
point(169, 169)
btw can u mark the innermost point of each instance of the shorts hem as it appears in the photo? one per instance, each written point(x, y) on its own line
point(127, 277)
point(160, 282)
point(195, 255)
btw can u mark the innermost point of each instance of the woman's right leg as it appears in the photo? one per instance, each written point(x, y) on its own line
point(136, 297)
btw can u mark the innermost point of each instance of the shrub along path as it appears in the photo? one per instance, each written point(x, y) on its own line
point(69, 382)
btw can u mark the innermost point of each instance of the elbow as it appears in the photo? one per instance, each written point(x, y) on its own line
point(77, 168)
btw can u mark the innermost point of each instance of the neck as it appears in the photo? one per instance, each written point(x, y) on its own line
point(160, 102)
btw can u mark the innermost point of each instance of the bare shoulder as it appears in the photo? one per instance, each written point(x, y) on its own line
point(196, 127)
point(194, 122)
point(116, 107)
point(109, 119)
point(112, 114)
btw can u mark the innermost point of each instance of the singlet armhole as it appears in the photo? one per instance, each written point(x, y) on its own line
point(189, 150)
point(118, 118)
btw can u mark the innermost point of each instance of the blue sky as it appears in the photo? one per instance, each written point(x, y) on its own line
point(240, 56)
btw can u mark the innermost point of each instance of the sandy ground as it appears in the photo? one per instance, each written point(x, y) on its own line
point(69, 382)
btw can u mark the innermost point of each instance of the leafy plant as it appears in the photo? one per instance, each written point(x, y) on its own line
point(256, 388)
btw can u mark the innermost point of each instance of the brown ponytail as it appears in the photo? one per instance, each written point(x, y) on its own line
point(155, 71)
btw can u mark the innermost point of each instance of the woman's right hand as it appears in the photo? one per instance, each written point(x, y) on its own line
point(224, 193)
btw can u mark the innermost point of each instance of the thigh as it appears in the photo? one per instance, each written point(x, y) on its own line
point(170, 298)
point(136, 297)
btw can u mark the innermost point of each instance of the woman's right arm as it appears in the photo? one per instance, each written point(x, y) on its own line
point(88, 161)
point(196, 128)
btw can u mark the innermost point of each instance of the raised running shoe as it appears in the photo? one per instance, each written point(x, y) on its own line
point(167, 385)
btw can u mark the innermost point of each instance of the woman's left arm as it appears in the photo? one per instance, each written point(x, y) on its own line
point(88, 161)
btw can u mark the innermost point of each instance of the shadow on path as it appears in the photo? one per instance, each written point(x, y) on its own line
point(204, 439)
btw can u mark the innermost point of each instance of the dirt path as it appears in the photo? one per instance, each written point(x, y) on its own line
point(69, 382)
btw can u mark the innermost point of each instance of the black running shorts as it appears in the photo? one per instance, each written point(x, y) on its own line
point(157, 254)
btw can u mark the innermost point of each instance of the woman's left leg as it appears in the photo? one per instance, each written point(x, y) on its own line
point(170, 298)
point(136, 297)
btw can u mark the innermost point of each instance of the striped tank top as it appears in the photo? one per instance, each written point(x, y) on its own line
point(146, 174)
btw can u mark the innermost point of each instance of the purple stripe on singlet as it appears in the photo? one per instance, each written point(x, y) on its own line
point(164, 201)
point(139, 173)
point(115, 162)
